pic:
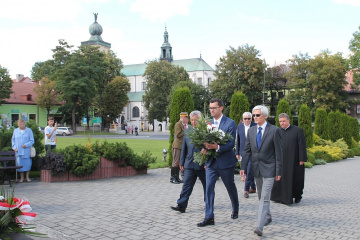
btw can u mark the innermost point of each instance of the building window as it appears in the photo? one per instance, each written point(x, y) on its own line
point(28, 97)
point(281, 95)
point(32, 117)
point(199, 81)
point(135, 112)
point(143, 85)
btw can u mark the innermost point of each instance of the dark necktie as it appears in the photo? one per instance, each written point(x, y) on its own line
point(258, 138)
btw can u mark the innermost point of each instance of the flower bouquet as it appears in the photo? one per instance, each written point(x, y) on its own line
point(14, 214)
point(206, 132)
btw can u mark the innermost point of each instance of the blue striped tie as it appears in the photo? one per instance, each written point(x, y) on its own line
point(258, 138)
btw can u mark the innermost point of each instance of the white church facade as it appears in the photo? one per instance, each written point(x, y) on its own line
point(134, 113)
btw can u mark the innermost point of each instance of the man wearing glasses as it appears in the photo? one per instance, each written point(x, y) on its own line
point(241, 135)
point(222, 166)
point(263, 145)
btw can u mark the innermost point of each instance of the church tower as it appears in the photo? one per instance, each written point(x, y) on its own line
point(96, 30)
point(166, 49)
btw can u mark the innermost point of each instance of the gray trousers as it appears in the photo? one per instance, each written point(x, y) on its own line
point(264, 187)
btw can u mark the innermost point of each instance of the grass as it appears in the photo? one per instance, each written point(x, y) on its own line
point(138, 145)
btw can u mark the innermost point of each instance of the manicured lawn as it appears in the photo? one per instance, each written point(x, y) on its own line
point(138, 145)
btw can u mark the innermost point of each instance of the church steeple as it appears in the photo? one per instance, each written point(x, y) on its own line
point(166, 49)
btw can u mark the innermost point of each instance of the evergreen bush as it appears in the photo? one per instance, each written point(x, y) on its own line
point(346, 130)
point(181, 102)
point(322, 124)
point(239, 104)
point(308, 165)
point(283, 107)
point(305, 124)
point(310, 158)
point(334, 126)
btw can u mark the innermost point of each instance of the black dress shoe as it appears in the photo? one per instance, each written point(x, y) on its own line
point(258, 231)
point(235, 215)
point(297, 200)
point(206, 222)
point(179, 209)
point(175, 181)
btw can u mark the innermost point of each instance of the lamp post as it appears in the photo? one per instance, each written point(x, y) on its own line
point(264, 83)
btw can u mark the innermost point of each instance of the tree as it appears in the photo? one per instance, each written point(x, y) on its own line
point(355, 129)
point(181, 102)
point(240, 70)
point(200, 95)
point(354, 59)
point(161, 76)
point(335, 126)
point(346, 129)
point(298, 79)
point(46, 97)
point(275, 82)
point(115, 97)
point(305, 124)
point(5, 84)
point(283, 107)
point(321, 124)
point(42, 69)
point(320, 82)
point(75, 78)
point(239, 105)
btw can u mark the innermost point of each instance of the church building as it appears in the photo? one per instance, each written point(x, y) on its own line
point(134, 113)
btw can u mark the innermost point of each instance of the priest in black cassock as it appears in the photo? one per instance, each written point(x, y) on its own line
point(293, 145)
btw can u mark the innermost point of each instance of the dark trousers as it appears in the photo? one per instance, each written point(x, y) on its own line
point(227, 176)
point(190, 176)
point(250, 181)
point(47, 147)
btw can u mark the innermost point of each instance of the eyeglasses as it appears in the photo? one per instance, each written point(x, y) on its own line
point(247, 118)
point(213, 108)
point(257, 115)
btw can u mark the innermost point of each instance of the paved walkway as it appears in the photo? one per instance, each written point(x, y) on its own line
point(139, 208)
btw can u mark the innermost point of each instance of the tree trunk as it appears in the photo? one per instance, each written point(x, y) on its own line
point(73, 120)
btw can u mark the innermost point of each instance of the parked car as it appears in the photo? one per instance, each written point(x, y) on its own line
point(64, 131)
point(41, 129)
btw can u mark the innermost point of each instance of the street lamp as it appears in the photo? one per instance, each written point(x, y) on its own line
point(264, 83)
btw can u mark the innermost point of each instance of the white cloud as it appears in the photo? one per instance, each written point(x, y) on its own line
point(40, 10)
point(355, 3)
point(161, 9)
point(255, 19)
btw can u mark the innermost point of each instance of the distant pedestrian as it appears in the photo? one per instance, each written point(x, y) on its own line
point(136, 131)
point(50, 134)
point(125, 129)
point(132, 129)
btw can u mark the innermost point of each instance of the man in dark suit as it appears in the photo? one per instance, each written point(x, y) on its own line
point(263, 145)
point(241, 135)
point(191, 170)
point(223, 165)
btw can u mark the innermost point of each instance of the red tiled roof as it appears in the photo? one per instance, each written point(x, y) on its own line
point(349, 79)
point(21, 91)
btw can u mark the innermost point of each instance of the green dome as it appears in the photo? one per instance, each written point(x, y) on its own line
point(95, 29)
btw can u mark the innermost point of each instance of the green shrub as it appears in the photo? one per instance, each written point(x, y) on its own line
point(80, 161)
point(308, 165)
point(318, 141)
point(320, 161)
point(310, 158)
point(239, 104)
point(329, 154)
point(181, 102)
point(346, 129)
point(321, 124)
point(305, 124)
point(334, 126)
point(283, 107)
point(143, 161)
point(356, 151)
point(350, 153)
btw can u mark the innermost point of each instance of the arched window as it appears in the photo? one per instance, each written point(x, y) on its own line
point(135, 112)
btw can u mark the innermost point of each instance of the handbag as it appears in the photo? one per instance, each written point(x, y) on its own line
point(32, 152)
point(32, 149)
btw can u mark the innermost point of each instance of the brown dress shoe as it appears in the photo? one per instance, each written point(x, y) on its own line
point(252, 190)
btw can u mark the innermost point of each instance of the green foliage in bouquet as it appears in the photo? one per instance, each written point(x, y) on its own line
point(202, 133)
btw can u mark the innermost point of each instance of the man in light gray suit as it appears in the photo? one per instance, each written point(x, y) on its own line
point(263, 145)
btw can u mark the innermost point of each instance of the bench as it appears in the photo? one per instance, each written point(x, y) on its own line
point(5, 158)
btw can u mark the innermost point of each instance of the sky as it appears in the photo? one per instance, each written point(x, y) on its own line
point(279, 29)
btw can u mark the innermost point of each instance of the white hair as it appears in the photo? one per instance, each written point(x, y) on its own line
point(247, 114)
point(264, 110)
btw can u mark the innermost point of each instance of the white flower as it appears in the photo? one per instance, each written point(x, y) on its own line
point(221, 133)
point(209, 127)
point(2, 198)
